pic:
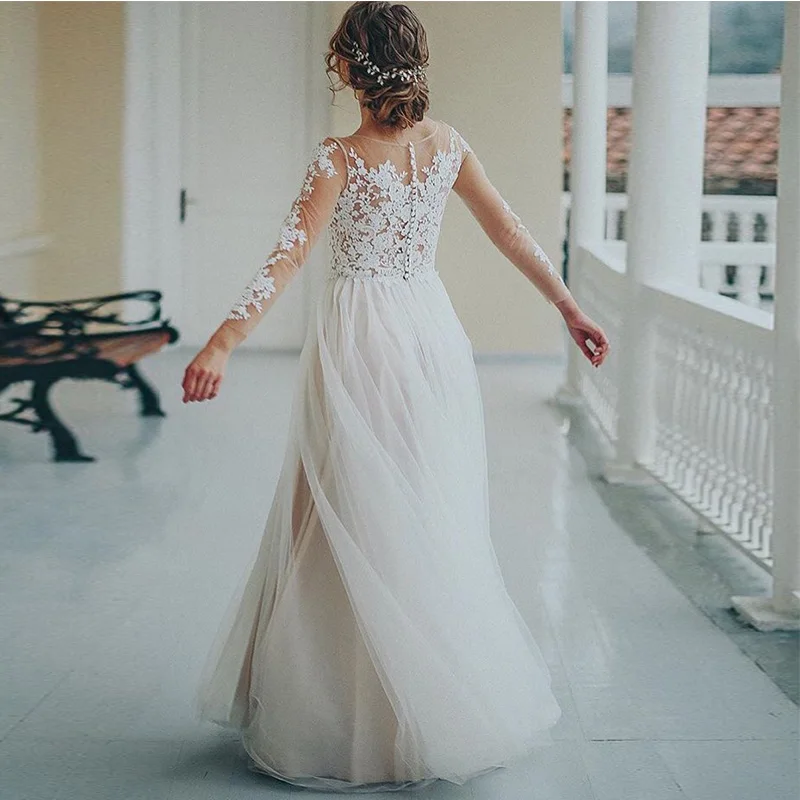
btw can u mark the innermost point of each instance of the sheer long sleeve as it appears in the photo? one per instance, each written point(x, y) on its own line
point(504, 227)
point(307, 219)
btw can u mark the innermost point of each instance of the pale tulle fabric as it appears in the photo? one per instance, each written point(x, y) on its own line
point(373, 645)
point(378, 644)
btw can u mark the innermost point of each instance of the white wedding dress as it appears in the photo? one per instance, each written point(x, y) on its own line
point(373, 645)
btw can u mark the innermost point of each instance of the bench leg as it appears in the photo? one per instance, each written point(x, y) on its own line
point(65, 445)
point(150, 404)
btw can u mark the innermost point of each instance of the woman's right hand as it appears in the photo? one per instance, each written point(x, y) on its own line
point(203, 377)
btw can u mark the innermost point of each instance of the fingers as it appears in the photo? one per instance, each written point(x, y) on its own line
point(601, 346)
point(213, 387)
point(204, 388)
point(583, 344)
point(200, 384)
point(580, 339)
point(189, 384)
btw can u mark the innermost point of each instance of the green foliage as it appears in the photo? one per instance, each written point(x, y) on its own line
point(746, 37)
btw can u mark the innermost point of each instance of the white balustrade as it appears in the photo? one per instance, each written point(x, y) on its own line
point(602, 279)
point(713, 384)
point(700, 390)
point(752, 215)
point(742, 268)
point(713, 416)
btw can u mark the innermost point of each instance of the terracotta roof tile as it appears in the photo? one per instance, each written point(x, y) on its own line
point(741, 143)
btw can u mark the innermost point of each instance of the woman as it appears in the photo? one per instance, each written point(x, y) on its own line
point(374, 645)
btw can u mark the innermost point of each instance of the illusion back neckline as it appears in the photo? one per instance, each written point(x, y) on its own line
point(433, 133)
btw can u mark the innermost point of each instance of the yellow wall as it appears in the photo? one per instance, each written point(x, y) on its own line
point(81, 66)
point(495, 75)
point(18, 122)
point(19, 150)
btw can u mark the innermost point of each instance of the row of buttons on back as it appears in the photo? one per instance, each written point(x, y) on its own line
point(413, 216)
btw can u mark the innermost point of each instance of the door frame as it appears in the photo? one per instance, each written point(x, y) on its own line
point(153, 154)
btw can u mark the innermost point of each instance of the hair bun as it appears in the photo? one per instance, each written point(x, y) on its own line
point(381, 49)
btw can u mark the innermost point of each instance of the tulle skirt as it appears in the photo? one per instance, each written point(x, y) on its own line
point(373, 644)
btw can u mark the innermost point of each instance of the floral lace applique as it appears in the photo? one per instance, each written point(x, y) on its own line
point(386, 228)
point(463, 142)
point(262, 286)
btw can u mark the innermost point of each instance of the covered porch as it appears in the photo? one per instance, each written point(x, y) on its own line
point(699, 384)
point(643, 514)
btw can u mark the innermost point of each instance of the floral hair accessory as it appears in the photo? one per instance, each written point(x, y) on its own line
point(409, 75)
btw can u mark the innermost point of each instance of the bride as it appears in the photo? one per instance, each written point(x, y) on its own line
point(373, 645)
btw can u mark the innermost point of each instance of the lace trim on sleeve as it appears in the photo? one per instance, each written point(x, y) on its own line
point(537, 249)
point(462, 142)
point(262, 286)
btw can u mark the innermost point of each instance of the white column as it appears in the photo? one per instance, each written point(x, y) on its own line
point(665, 190)
point(588, 159)
point(781, 611)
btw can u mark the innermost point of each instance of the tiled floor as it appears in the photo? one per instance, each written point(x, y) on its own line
point(115, 576)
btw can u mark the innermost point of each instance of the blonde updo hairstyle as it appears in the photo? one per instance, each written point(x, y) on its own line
point(393, 38)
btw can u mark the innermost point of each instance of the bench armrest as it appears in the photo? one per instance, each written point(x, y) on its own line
point(88, 315)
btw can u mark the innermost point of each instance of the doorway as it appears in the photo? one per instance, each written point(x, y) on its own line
point(223, 105)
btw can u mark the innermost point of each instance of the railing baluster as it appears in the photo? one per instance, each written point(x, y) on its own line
point(729, 220)
point(713, 417)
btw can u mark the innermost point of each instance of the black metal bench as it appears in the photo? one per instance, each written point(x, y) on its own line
point(94, 337)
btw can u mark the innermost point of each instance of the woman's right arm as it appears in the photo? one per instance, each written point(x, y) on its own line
point(308, 217)
point(506, 231)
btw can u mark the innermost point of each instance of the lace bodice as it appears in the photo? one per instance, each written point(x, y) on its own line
point(383, 204)
point(386, 222)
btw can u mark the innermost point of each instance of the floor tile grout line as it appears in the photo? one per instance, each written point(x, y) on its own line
point(35, 706)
